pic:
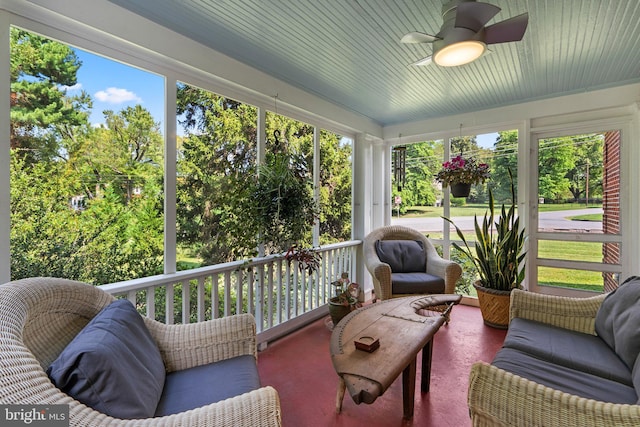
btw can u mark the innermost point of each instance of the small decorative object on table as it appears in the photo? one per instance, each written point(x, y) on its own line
point(346, 299)
point(461, 173)
point(368, 344)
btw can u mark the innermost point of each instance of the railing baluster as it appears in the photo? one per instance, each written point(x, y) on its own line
point(279, 295)
point(201, 299)
point(186, 302)
point(227, 293)
point(259, 299)
point(168, 315)
point(288, 290)
point(296, 289)
point(239, 292)
point(269, 293)
point(215, 296)
point(151, 302)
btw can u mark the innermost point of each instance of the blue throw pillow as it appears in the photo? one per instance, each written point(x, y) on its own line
point(403, 256)
point(618, 318)
point(113, 365)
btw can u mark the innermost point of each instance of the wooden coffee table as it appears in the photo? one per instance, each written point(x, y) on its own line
point(403, 327)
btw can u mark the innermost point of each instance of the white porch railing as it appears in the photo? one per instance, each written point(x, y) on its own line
point(276, 292)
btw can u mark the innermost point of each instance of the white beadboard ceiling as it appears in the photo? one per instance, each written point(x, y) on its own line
point(348, 51)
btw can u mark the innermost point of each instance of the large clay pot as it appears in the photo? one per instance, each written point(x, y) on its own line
point(460, 189)
point(494, 306)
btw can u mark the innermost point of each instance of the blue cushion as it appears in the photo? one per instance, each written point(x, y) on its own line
point(113, 365)
point(618, 318)
point(416, 283)
point(583, 352)
point(199, 386)
point(563, 378)
point(403, 256)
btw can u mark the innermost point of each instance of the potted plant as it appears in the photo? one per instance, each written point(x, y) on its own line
point(346, 298)
point(281, 206)
point(460, 173)
point(498, 257)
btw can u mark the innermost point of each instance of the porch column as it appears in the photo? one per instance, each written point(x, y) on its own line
point(380, 185)
point(5, 210)
point(361, 205)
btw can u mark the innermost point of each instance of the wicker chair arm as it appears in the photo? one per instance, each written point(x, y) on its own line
point(446, 269)
point(257, 408)
point(381, 273)
point(577, 314)
point(195, 344)
point(499, 398)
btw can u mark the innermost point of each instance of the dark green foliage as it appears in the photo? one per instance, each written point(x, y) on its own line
point(282, 206)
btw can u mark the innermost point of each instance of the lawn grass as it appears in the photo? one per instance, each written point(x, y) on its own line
point(588, 217)
point(561, 277)
point(479, 209)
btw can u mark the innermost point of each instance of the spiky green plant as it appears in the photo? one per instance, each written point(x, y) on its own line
point(499, 255)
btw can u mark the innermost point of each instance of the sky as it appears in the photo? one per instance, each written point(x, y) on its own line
point(115, 86)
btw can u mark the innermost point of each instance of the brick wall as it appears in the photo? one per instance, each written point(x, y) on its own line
point(611, 203)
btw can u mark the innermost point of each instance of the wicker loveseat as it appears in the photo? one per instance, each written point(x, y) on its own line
point(40, 317)
point(415, 269)
point(565, 362)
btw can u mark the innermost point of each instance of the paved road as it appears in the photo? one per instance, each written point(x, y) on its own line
point(548, 221)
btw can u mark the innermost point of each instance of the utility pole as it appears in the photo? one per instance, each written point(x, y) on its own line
point(587, 186)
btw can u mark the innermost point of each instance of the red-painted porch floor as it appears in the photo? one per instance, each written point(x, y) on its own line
point(299, 367)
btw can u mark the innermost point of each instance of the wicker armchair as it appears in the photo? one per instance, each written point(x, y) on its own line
point(381, 272)
point(40, 316)
point(500, 398)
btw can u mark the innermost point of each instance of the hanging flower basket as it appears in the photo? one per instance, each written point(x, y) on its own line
point(459, 170)
point(460, 189)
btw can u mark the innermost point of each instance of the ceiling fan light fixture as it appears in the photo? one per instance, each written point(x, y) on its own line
point(459, 53)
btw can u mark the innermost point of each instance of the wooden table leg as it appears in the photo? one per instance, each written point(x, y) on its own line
point(409, 389)
point(340, 396)
point(426, 366)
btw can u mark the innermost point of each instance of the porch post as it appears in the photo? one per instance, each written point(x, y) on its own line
point(5, 145)
point(361, 204)
point(380, 185)
point(170, 175)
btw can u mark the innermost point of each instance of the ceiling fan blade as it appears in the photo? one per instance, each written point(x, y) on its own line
point(473, 15)
point(418, 37)
point(423, 61)
point(509, 30)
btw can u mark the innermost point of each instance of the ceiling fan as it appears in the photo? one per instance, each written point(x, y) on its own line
point(463, 37)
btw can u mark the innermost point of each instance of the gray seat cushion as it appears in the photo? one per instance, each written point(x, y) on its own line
point(563, 378)
point(583, 352)
point(416, 283)
point(403, 256)
point(113, 365)
point(199, 386)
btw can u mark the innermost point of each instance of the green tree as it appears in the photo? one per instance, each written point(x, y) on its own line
point(588, 154)
point(335, 188)
point(556, 157)
point(41, 70)
point(215, 165)
point(422, 163)
point(57, 157)
point(505, 158)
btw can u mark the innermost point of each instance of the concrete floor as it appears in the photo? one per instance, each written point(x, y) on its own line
point(299, 367)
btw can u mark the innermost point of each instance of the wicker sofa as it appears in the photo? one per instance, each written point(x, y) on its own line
point(40, 317)
point(565, 362)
